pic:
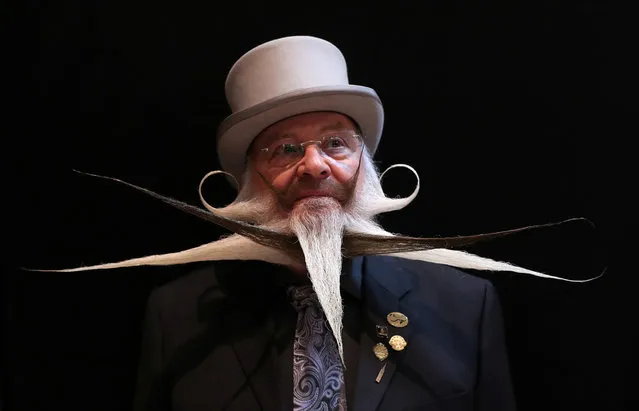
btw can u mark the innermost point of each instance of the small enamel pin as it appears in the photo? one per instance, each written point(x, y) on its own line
point(397, 319)
point(382, 331)
point(397, 343)
point(380, 374)
point(380, 351)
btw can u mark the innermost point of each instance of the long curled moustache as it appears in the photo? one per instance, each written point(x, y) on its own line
point(354, 244)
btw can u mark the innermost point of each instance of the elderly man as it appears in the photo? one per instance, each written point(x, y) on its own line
point(322, 332)
point(311, 304)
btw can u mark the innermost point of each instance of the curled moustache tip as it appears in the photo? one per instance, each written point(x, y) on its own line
point(94, 175)
point(584, 220)
point(207, 175)
point(412, 196)
point(62, 270)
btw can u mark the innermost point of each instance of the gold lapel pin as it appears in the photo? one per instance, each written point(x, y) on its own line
point(397, 319)
point(397, 342)
point(380, 374)
point(381, 352)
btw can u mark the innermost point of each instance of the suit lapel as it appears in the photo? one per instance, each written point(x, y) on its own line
point(257, 358)
point(351, 284)
point(381, 292)
point(256, 317)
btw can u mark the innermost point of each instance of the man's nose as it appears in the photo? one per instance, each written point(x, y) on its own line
point(313, 164)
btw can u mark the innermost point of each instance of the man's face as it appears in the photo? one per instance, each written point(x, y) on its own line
point(296, 175)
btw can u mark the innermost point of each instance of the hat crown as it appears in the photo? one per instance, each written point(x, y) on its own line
point(283, 66)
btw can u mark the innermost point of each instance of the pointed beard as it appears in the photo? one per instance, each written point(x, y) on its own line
point(318, 224)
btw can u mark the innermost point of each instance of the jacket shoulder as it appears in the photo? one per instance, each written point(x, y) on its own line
point(441, 287)
point(210, 280)
point(426, 273)
point(186, 287)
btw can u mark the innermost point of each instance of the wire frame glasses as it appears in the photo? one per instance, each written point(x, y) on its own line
point(338, 145)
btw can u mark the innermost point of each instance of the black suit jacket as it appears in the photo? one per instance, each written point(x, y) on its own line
point(221, 338)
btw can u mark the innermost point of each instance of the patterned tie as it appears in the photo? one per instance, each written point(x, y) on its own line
point(318, 376)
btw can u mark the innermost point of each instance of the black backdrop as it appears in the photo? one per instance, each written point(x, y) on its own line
point(512, 114)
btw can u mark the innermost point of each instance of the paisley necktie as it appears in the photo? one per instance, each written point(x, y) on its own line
point(318, 375)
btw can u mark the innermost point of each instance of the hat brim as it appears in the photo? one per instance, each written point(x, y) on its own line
point(238, 130)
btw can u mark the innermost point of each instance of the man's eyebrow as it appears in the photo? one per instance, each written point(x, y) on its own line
point(335, 126)
point(269, 138)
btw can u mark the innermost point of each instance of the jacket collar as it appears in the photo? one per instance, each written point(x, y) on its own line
point(372, 287)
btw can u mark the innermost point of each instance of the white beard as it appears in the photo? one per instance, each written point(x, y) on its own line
point(318, 224)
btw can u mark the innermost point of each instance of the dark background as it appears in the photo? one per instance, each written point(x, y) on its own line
point(512, 113)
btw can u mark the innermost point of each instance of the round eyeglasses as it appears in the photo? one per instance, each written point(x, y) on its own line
point(338, 145)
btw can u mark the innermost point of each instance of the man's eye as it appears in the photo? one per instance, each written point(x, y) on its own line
point(335, 142)
point(286, 149)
